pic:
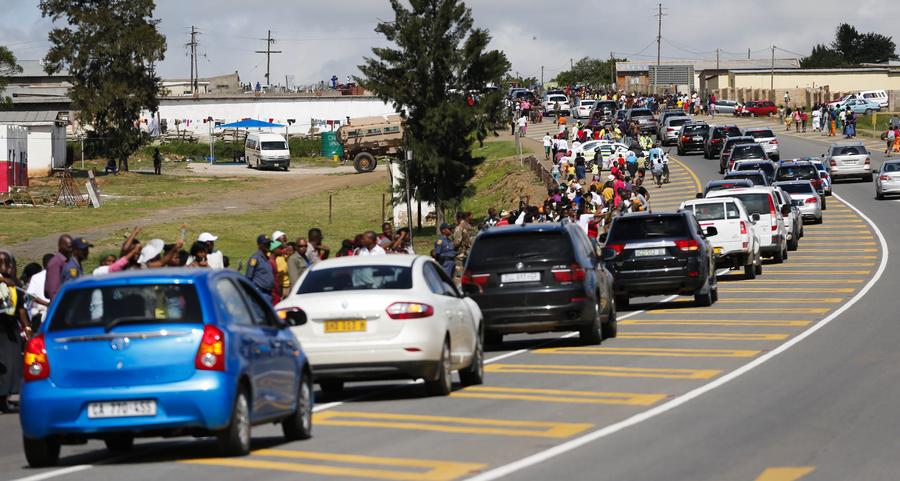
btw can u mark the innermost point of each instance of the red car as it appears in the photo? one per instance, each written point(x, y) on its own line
point(757, 109)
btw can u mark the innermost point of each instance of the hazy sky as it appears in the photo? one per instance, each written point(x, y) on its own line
point(331, 37)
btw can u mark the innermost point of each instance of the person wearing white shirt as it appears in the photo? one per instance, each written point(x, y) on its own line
point(214, 258)
point(548, 143)
point(35, 290)
point(370, 245)
point(563, 145)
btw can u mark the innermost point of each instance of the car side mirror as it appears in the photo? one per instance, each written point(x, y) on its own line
point(699, 195)
point(786, 209)
point(754, 218)
point(711, 231)
point(293, 316)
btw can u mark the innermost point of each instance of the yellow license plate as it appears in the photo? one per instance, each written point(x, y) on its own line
point(717, 250)
point(345, 325)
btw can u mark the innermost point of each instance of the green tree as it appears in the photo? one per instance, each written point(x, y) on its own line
point(437, 66)
point(110, 48)
point(823, 57)
point(588, 71)
point(850, 48)
point(8, 66)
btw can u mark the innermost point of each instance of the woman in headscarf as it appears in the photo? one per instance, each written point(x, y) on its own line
point(13, 321)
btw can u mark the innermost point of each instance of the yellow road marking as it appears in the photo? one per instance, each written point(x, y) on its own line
point(690, 172)
point(781, 300)
point(785, 474)
point(840, 290)
point(714, 322)
point(646, 351)
point(560, 396)
point(741, 310)
point(434, 470)
point(705, 336)
point(831, 243)
point(448, 424)
point(603, 371)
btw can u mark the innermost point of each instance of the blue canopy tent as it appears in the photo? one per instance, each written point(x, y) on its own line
point(242, 124)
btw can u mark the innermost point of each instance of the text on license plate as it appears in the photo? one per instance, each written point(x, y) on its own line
point(122, 409)
point(346, 325)
point(650, 252)
point(697, 137)
point(521, 277)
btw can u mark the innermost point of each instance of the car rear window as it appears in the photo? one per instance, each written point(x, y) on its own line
point(800, 172)
point(112, 305)
point(760, 134)
point(747, 151)
point(517, 246)
point(557, 98)
point(804, 188)
point(890, 167)
point(676, 121)
point(766, 167)
point(626, 229)
point(690, 129)
point(754, 203)
point(754, 177)
point(714, 211)
point(606, 105)
point(850, 150)
point(356, 278)
point(641, 113)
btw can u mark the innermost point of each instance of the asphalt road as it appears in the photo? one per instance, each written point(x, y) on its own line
point(795, 370)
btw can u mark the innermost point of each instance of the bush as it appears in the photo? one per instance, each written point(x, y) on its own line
point(306, 146)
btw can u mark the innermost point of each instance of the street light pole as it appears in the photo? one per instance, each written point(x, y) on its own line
point(409, 223)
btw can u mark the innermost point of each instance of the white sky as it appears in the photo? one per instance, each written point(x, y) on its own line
point(323, 38)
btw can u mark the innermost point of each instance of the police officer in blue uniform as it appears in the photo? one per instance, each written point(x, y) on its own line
point(259, 271)
point(72, 269)
point(444, 252)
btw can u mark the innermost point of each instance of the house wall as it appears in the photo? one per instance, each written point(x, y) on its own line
point(13, 157)
point(847, 81)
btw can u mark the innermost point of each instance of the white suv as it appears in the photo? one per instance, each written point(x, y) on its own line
point(736, 243)
point(770, 227)
point(767, 139)
point(550, 102)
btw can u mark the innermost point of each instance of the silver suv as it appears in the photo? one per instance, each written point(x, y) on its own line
point(766, 138)
point(849, 159)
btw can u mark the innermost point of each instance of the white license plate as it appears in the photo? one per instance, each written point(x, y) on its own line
point(698, 137)
point(649, 252)
point(520, 277)
point(850, 162)
point(122, 409)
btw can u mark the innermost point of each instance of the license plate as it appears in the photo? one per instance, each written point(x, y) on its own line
point(717, 250)
point(850, 162)
point(345, 325)
point(649, 252)
point(520, 277)
point(122, 409)
point(698, 137)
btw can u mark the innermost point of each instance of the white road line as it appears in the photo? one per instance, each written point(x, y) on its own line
point(57, 472)
point(590, 437)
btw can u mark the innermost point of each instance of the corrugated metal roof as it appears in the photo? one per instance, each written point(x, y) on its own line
point(32, 116)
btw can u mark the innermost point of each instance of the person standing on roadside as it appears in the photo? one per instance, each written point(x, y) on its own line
point(259, 270)
point(157, 162)
point(55, 266)
point(298, 262)
point(13, 320)
point(316, 251)
point(889, 138)
point(72, 269)
point(463, 235)
point(548, 143)
point(370, 245)
point(282, 281)
point(444, 252)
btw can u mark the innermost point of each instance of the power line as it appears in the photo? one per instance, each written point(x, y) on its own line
point(268, 51)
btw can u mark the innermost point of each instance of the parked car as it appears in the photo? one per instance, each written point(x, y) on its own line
point(162, 353)
point(387, 317)
point(714, 185)
point(888, 180)
point(727, 145)
point(724, 106)
point(767, 139)
point(802, 170)
point(540, 278)
point(757, 109)
point(756, 177)
point(582, 108)
point(660, 254)
point(770, 228)
point(692, 137)
point(859, 106)
point(554, 104)
point(736, 243)
point(671, 129)
point(717, 135)
point(804, 197)
point(767, 166)
point(793, 221)
point(263, 150)
point(849, 159)
point(880, 97)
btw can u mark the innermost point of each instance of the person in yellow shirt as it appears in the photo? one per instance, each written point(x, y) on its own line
point(282, 279)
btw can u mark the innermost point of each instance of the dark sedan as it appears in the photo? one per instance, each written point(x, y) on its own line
point(693, 137)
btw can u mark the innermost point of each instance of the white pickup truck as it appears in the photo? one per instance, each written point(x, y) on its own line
point(736, 245)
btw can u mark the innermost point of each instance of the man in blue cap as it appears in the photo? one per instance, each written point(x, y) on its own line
point(260, 271)
point(444, 252)
point(72, 269)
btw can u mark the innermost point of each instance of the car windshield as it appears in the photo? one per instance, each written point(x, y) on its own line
point(891, 167)
point(747, 151)
point(754, 203)
point(274, 145)
point(804, 188)
point(760, 134)
point(356, 278)
point(800, 172)
point(641, 228)
point(521, 245)
point(849, 150)
point(108, 306)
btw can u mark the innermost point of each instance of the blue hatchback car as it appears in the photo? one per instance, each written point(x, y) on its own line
point(163, 352)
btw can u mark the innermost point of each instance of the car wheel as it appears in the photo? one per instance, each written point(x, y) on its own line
point(493, 338)
point(823, 203)
point(879, 195)
point(235, 439)
point(610, 329)
point(473, 375)
point(703, 297)
point(867, 178)
point(793, 244)
point(331, 387)
point(819, 220)
point(785, 253)
point(622, 301)
point(759, 266)
point(750, 271)
point(41, 453)
point(119, 444)
point(298, 425)
point(443, 383)
point(779, 256)
point(591, 334)
point(680, 151)
point(753, 114)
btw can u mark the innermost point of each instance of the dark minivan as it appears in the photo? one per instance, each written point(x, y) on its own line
point(661, 254)
point(539, 278)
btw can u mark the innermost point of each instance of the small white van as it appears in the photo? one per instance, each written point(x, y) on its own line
point(880, 97)
point(267, 150)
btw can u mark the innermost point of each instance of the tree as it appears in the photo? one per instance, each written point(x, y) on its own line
point(8, 66)
point(851, 48)
point(588, 71)
point(110, 48)
point(435, 76)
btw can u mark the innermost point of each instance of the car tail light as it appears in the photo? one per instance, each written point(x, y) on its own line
point(810, 200)
point(774, 141)
point(743, 228)
point(685, 138)
point(772, 218)
point(575, 273)
point(468, 278)
point(670, 129)
point(618, 248)
point(409, 310)
point(868, 161)
point(211, 354)
point(693, 273)
point(833, 163)
point(36, 364)
point(687, 245)
point(884, 177)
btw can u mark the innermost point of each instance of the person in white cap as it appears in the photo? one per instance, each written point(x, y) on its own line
point(214, 258)
point(280, 237)
point(150, 252)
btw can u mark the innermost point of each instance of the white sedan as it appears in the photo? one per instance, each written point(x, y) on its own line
point(386, 317)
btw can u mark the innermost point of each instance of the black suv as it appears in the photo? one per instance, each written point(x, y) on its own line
point(766, 166)
point(757, 177)
point(717, 135)
point(661, 254)
point(540, 278)
point(693, 137)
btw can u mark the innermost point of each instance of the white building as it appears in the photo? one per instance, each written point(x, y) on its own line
point(46, 138)
point(13, 157)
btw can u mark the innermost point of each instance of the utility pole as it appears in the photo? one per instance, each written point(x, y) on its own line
point(268, 51)
point(194, 70)
point(658, 46)
point(571, 64)
point(542, 78)
point(748, 54)
point(612, 67)
point(717, 61)
point(772, 77)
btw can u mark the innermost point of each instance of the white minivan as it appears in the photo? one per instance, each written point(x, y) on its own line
point(267, 150)
point(770, 227)
point(880, 97)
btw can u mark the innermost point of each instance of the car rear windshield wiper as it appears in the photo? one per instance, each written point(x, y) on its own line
point(131, 320)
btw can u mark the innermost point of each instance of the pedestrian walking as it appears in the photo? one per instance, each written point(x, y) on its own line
point(548, 144)
point(157, 162)
point(890, 138)
point(55, 266)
